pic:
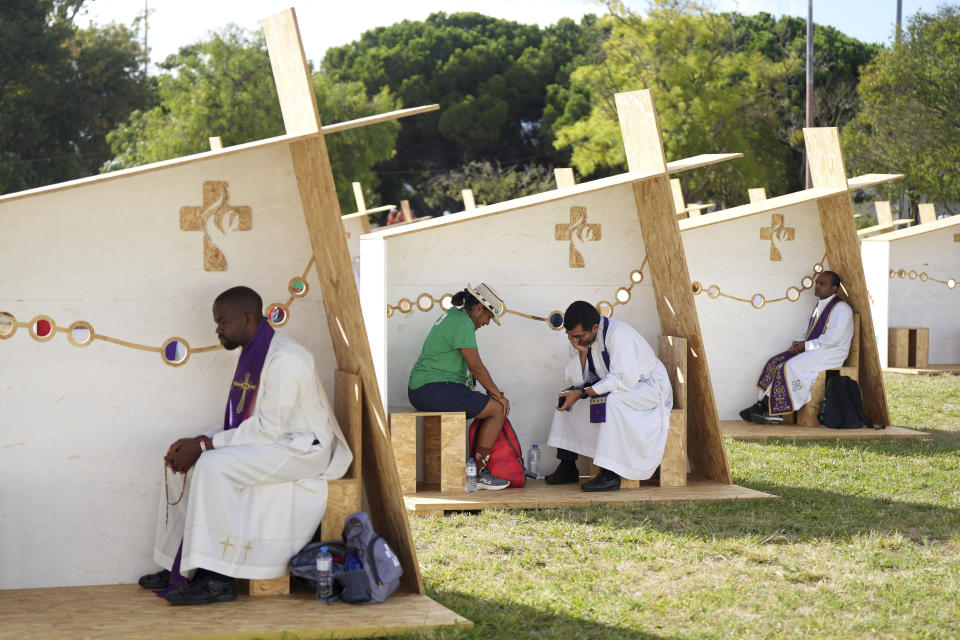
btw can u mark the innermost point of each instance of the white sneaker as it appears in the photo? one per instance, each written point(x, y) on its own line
point(488, 481)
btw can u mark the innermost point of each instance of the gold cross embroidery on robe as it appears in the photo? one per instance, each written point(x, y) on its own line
point(245, 386)
point(776, 233)
point(215, 208)
point(577, 230)
point(247, 548)
point(226, 544)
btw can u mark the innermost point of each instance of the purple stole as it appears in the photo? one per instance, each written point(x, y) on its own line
point(772, 375)
point(246, 380)
point(598, 404)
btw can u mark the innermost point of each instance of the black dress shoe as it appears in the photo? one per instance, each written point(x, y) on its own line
point(756, 407)
point(604, 481)
point(204, 590)
point(157, 580)
point(566, 473)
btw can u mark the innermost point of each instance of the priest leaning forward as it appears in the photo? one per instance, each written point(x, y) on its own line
point(441, 378)
point(788, 377)
point(616, 408)
point(254, 491)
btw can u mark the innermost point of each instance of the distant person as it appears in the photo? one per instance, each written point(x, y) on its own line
point(449, 361)
point(253, 492)
point(788, 377)
point(394, 216)
point(616, 406)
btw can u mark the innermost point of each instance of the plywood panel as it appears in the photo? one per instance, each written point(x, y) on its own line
point(671, 278)
point(468, 201)
point(343, 498)
point(843, 254)
point(272, 587)
point(127, 612)
point(672, 352)
point(334, 271)
point(348, 408)
point(403, 436)
point(298, 102)
point(540, 495)
point(757, 195)
point(564, 177)
point(673, 469)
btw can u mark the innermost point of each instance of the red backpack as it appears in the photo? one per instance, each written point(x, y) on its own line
point(505, 459)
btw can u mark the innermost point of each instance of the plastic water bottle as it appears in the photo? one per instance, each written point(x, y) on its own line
point(471, 476)
point(324, 574)
point(533, 461)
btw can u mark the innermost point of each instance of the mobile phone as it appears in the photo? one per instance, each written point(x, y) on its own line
point(560, 401)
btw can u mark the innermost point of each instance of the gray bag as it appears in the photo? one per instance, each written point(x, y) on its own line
point(365, 568)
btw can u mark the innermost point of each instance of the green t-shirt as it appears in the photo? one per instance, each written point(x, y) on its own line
point(440, 359)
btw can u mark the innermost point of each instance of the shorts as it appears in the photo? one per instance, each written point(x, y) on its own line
point(448, 396)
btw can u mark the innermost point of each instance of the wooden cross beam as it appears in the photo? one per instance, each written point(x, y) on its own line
point(843, 253)
point(671, 277)
point(334, 271)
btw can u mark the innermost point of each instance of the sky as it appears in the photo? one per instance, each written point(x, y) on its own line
point(328, 23)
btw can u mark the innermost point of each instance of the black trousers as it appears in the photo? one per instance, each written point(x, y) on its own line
point(566, 456)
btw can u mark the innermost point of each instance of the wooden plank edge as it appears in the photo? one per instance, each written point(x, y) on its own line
point(154, 166)
point(380, 117)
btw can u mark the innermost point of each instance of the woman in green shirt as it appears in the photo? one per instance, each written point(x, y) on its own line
point(440, 379)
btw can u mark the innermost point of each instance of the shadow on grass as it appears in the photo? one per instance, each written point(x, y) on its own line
point(800, 515)
point(940, 442)
point(514, 621)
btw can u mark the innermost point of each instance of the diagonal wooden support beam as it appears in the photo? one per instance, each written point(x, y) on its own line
point(318, 197)
point(671, 278)
point(843, 253)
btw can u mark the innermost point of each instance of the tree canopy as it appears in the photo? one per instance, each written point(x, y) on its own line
point(910, 121)
point(491, 78)
point(61, 90)
point(223, 86)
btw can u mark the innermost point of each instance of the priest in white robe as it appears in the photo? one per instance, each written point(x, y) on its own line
point(787, 378)
point(616, 406)
point(239, 501)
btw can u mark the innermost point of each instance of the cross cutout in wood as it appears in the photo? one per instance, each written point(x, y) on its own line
point(579, 230)
point(216, 206)
point(775, 233)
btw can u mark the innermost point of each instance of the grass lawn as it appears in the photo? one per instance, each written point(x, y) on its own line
point(863, 543)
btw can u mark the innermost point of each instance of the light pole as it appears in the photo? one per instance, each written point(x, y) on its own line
point(809, 120)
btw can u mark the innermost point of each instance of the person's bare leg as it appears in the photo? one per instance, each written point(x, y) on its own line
point(491, 424)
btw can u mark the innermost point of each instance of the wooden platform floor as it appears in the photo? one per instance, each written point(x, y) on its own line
point(750, 431)
point(929, 370)
point(539, 494)
point(127, 612)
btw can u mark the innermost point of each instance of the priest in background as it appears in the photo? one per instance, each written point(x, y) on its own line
point(252, 493)
point(787, 378)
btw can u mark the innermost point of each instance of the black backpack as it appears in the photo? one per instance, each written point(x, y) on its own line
point(842, 406)
point(376, 577)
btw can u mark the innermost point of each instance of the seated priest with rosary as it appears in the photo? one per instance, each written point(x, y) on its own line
point(252, 493)
point(616, 407)
point(787, 378)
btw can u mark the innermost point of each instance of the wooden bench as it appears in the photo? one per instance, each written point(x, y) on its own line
point(908, 347)
point(444, 448)
point(343, 494)
point(672, 352)
point(807, 415)
point(683, 209)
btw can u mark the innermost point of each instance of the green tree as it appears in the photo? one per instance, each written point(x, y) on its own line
point(837, 61)
point(491, 78)
point(710, 98)
point(910, 121)
point(224, 86)
point(489, 182)
point(61, 89)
